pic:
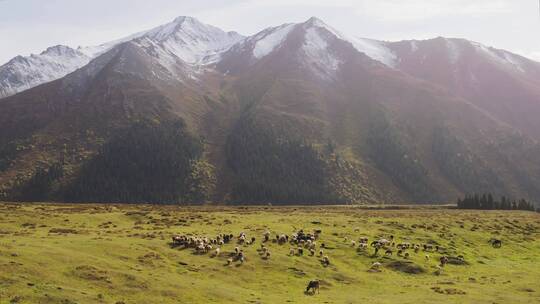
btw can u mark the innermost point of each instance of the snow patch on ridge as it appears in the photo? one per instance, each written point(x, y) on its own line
point(375, 50)
point(269, 40)
point(318, 54)
point(502, 57)
point(454, 51)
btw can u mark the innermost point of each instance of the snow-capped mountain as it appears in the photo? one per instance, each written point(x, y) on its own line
point(317, 47)
point(185, 39)
point(192, 41)
point(188, 43)
point(22, 73)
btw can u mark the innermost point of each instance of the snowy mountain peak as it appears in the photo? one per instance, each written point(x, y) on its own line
point(182, 19)
point(191, 40)
point(61, 50)
point(317, 37)
point(315, 22)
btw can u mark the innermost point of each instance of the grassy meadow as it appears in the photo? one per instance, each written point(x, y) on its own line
point(61, 253)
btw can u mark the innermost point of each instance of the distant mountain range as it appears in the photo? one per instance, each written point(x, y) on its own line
point(295, 114)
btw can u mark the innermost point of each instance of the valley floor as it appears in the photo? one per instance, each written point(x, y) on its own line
point(52, 253)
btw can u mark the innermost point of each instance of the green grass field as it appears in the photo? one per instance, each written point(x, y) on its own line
point(121, 254)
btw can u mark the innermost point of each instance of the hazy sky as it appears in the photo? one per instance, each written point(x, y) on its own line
point(30, 26)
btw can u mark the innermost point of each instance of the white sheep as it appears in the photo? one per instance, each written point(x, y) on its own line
point(376, 265)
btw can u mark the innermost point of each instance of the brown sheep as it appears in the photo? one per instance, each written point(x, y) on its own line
point(313, 286)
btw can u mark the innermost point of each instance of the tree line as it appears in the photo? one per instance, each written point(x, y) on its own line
point(487, 202)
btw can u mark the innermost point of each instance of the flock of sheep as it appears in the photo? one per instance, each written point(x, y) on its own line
point(303, 243)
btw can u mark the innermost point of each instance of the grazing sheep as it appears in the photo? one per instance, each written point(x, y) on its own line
point(311, 252)
point(266, 236)
point(388, 252)
point(200, 249)
point(314, 286)
point(406, 255)
point(399, 252)
point(427, 257)
point(229, 261)
point(326, 260)
point(267, 256)
point(376, 266)
point(321, 252)
point(380, 243)
point(300, 251)
point(323, 245)
point(495, 243)
point(443, 260)
point(291, 251)
point(236, 250)
point(428, 247)
point(353, 243)
point(217, 252)
point(363, 240)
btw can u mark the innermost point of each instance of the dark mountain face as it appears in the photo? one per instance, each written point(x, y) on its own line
point(294, 114)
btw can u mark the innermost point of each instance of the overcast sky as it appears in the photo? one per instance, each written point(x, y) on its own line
point(30, 26)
